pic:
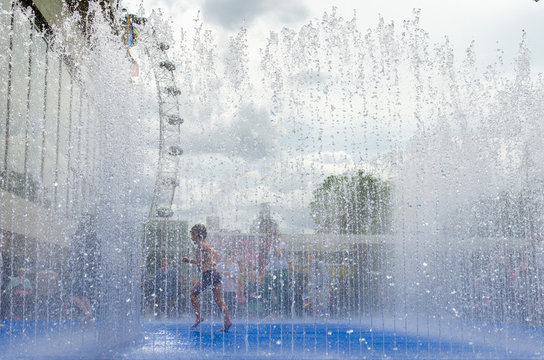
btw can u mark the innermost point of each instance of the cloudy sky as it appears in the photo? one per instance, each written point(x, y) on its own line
point(490, 23)
point(238, 153)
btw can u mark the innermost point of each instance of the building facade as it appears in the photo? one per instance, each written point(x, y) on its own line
point(48, 142)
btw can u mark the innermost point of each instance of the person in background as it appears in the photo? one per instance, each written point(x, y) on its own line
point(205, 259)
point(318, 285)
point(20, 288)
point(299, 281)
point(1, 274)
point(4, 279)
point(1, 261)
point(229, 269)
point(82, 308)
point(166, 287)
point(84, 263)
point(48, 300)
point(276, 280)
point(251, 290)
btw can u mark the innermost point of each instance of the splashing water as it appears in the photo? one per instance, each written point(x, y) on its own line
point(412, 178)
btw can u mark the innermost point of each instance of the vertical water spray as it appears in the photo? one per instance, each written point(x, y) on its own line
point(71, 207)
point(376, 151)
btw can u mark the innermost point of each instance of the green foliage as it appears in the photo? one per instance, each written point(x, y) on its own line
point(360, 204)
point(168, 239)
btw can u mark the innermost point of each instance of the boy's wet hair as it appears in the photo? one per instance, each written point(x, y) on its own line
point(199, 230)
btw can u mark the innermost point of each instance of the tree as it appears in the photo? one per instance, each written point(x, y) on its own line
point(165, 238)
point(360, 204)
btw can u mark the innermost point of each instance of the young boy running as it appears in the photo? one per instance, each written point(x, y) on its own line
point(205, 259)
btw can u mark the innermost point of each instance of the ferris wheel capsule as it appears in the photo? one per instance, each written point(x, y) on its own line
point(168, 65)
point(164, 212)
point(175, 150)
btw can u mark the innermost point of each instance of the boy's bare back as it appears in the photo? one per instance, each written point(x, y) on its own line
point(206, 257)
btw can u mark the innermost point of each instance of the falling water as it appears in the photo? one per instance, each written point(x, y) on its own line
point(451, 140)
point(70, 170)
point(443, 256)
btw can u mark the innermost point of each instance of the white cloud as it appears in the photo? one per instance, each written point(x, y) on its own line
point(232, 14)
point(237, 156)
point(248, 134)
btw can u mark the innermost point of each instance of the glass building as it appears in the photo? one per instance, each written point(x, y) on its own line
point(48, 146)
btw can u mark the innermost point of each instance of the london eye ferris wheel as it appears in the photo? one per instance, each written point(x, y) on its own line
point(168, 95)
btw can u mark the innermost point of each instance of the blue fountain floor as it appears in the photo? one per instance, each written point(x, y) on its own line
point(277, 340)
point(307, 341)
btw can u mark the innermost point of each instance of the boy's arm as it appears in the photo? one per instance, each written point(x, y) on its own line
point(214, 255)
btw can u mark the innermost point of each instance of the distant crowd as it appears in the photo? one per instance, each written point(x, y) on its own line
point(61, 285)
point(275, 289)
point(505, 284)
point(501, 285)
point(45, 298)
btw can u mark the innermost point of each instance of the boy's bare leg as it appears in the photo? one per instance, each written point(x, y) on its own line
point(219, 301)
point(85, 306)
point(195, 292)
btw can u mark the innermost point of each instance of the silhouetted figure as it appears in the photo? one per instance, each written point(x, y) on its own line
point(4, 276)
point(276, 280)
point(48, 298)
point(251, 291)
point(229, 270)
point(21, 289)
point(298, 293)
point(84, 264)
point(318, 285)
point(165, 289)
point(1, 274)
